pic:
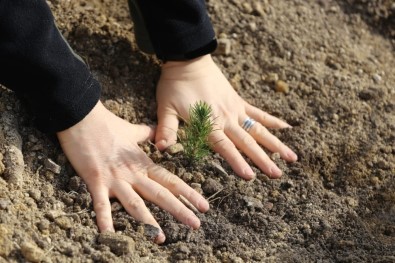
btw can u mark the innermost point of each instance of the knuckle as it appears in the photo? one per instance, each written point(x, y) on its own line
point(261, 130)
point(162, 194)
point(224, 146)
point(135, 203)
point(248, 140)
point(101, 206)
point(171, 180)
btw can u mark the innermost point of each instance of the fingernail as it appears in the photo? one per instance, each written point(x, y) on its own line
point(160, 238)
point(193, 222)
point(275, 172)
point(248, 173)
point(292, 156)
point(161, 144)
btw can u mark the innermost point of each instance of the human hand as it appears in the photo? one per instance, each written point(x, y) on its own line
point(184, 83)
point(103, 150)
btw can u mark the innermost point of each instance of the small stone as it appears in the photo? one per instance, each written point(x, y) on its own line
point(4, 203)
point(211, 186)
point(275, 156)
point(198, 177)
point(53, 214)
point(118, 244)
point(258, 9)
point(252, 26)
point(175, 148)
point(377, 78)
point(52, 166)
point(269, 206)
point(219, 169)
point(14, 165)
point(247, 8)
point(187, 177)
point(43, 225)
point(281, 86)
point(253, 202)
point(64, 222)
point(35, 194)
point(224, 46)
point(32, 252)
point(271, 78)
point(351, 201)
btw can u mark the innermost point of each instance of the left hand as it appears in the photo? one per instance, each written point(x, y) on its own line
point(182, 84)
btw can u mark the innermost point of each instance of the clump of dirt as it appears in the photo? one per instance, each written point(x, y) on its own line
point(337, 203)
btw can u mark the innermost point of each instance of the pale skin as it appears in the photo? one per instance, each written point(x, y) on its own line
point(103, 148)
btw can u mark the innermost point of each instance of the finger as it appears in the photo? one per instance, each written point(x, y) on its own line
point(265, 118)
point(222, 145)
point(247, 144)
point(166, 132)
point(161, 196)
point(271, 142)
point(135, 206)
point(142, 133)
point(178, 187)
point(102, 207)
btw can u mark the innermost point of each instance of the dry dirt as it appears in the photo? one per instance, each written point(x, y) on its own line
point(336, 204)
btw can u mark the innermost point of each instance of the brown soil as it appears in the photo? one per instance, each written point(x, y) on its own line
point(336, 204)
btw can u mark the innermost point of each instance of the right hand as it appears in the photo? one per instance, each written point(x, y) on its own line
point(103, 150)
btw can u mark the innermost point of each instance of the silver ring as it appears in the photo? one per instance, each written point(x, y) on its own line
point(248, 123)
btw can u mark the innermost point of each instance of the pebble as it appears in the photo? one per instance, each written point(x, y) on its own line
point(218, 168)
point(4, 203)
point(118, 244)
point(14, 165)
point(258, 9)
point(43, 225)
point(252, 26)
point(253, 202)
point(272, 78)
point(35, 194)
point(247, 8)
point(175, 148)
point(281, 86)
point(198, 177)
point(187, 177)
point(224, 46)
point(64, 222)
point(269, 206)
point(211, 186)
point(52, 166)
point(377, 78)
point(351, 201)
point(32, 252)
point(275, 156)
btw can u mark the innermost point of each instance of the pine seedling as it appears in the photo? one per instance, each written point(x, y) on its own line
point(197, 130)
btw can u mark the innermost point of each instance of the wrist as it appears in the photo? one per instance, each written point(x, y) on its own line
point(189, 69)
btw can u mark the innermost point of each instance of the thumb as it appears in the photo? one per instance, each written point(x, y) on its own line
point(143, 133)
point(166, 132)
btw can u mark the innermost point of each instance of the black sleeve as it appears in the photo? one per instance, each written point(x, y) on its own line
point(38, 64)
point(178, 29)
